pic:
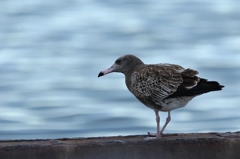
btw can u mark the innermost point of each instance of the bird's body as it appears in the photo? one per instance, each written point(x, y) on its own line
point(152, 84)
point(161, 87)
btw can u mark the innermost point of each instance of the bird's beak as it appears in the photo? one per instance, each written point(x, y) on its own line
point(100, 74)
point(109, 70)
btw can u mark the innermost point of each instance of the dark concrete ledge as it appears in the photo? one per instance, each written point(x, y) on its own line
point(171, 146)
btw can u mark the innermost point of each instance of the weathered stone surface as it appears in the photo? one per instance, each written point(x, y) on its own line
point(171, 146)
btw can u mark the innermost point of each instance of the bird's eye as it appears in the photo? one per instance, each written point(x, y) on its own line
point(118, 61)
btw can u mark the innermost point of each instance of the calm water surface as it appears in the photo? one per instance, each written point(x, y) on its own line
point(52, 51)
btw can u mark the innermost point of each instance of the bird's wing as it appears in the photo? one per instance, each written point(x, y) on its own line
point(161, 80)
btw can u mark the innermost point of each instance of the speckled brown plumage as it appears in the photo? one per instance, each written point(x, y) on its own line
point(152, 83)
point(162, 87)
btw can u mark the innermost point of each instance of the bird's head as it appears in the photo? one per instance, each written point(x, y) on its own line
point(123, 64)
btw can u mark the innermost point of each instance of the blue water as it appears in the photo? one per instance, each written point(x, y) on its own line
point(52, 51)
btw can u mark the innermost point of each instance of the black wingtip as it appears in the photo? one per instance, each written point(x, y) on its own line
point(100, 74)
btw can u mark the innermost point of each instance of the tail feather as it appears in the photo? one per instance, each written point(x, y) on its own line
point(203, 86)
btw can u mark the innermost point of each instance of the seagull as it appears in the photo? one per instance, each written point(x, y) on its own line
point(161, 87)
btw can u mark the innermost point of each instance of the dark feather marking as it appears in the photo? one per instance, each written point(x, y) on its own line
point(203, 86)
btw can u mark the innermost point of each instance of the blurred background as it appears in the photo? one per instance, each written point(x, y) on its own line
point(52, 51)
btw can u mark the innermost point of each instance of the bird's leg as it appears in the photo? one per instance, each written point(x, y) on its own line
point(158, 135)
point(167, 121)
point(158, 124)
